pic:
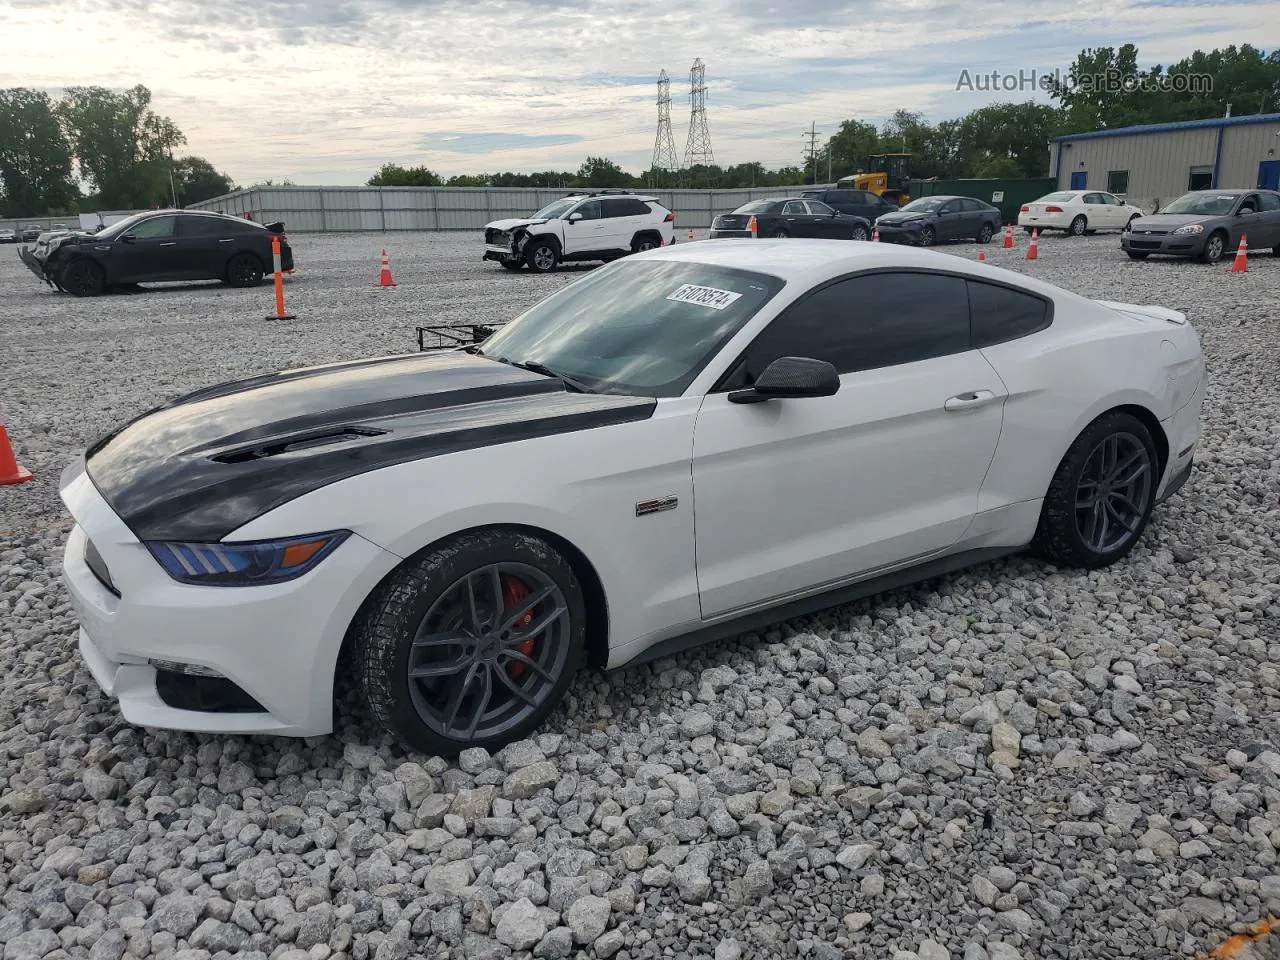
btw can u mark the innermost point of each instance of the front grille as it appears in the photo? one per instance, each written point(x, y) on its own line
point(500, 237)
point(1144, 244)
point(206, 694)
point(1149, 233)
point(93, 560)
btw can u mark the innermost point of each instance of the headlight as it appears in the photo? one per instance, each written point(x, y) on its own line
point(245, 564)
point(1191, 228)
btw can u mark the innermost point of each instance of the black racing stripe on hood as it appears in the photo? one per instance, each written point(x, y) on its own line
point(207, 463)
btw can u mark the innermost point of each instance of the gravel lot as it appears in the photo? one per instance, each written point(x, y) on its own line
point(1017, 762)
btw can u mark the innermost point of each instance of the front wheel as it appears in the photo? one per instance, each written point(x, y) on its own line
point(986, 233)
point(244, 270)
point(1101, 496)
point(541, 257)
point(473, 643)
point(928, 237)
point(83, 278)
point(860, 233)
point(1214, 248)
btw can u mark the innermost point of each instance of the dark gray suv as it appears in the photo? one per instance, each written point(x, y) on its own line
point(857, 203)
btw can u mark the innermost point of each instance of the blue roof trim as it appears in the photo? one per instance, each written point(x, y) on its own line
point(1167, 127)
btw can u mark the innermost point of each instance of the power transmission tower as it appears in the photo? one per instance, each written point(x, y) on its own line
point(812, 136)
point(697, 150)
point(664, 144)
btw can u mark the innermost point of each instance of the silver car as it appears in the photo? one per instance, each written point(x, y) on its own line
point(1207, 224)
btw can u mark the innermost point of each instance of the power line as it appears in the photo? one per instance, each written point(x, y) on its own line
point(697, 150)
point(812, 136)
point(664, 144)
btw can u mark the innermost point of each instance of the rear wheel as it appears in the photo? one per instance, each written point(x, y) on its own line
point(986, 233)
point(1078, 226)
point(1214, 247)
point(860, 232)
point(473, 643)
point(780, 233)
point(1101, 496)
point(244, 270)
point(643, 243)
point(928, 237)
point(83, 278)
point(541, 256)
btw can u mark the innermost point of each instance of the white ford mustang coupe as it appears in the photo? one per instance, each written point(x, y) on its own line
point(686, 444)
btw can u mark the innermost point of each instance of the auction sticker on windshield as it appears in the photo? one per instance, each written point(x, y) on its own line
point(704, 296)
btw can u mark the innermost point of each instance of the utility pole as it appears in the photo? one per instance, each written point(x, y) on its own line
point(812, 137)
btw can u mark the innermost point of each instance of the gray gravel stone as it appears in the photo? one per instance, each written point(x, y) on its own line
point(521, 926)
point(587, 918)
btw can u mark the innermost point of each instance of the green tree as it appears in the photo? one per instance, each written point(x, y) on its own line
point(35, 157)
point(602, 172)
point(121, 145)
point(847, 150)
point(197, 180)
point(468, 180)
point(1007, 140)
point(394, 175)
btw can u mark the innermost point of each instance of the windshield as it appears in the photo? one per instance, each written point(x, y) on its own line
point(644, 328)
point(1063, 197)
point(120, 226)
point(925, 205)
point(556, 210)
point(756, 206)
point(1203, 203)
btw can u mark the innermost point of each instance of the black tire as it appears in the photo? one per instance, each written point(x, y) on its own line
point(1078, 226)
point(83, 278)
point(244, 270)
point(429, 592)
point(1214, 247)
point(643, 242)
point(1067, 523)
point(512, 264)
point(860, 233)
point(541, 256)
point(780, 234)
point(1137, 254)
point(928, 236)
point(986, 233)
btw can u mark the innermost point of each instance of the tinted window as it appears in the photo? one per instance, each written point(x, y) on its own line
point(795, 208)
point(155, 227)
point(207, 227)
point(757, 206)
point(1001, 314)
point(952, 207)
point(972, 206)
point(1249, 204)
point(1269, 201)
point(624, 207)
point(819, 209)
point(870, 321)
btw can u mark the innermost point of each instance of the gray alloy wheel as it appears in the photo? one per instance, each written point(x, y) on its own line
point(859, 232)
point(83, 278)
point(780, 234)
point(986, 233)
point(244, 270)
point(1102, 494)
point(928, 237)
point(1078, 226)
point(643, 244)
point(472, 643)
point(1214, 247)
point(541, 257)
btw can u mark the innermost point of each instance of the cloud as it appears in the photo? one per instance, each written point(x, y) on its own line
point(311, 89)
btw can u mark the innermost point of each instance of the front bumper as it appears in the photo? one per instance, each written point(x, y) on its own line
point(893, 233)
point(1170, 244)
point(34, 263)
point(277, 643)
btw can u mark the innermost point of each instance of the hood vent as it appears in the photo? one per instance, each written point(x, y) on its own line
point(304, 441)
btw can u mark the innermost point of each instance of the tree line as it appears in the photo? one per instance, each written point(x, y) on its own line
point(1103, 88)
point(95, 149)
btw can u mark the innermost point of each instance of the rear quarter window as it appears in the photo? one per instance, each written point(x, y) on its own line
point(999, 314)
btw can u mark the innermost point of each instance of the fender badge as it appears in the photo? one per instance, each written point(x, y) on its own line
point(646, 507)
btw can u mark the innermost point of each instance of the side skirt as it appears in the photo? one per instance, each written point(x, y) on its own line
point(819, 601)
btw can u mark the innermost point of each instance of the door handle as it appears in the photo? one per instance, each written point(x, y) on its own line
point(169, 243)
point(228, 240)
point(969, 401)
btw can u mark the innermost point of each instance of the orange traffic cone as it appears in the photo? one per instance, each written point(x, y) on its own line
point(1008, 236)
point(875, 233)
point(1241, 262)
point(754, 227)
point(1033, 251)
point(982, 256)
point(384, 275)
point(10, 470)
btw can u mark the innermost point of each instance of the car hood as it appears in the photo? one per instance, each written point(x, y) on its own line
point(511, 224)
point(200, 466)
point(898, 216)
point(1170, 221)
point(48, 242)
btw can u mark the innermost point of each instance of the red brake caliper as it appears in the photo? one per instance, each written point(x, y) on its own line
point(514, 591)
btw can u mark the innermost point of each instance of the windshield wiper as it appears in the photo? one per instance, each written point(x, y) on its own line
point(534, 367)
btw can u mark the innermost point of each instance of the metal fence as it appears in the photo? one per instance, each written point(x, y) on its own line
point(71, 221)
point(332, 209)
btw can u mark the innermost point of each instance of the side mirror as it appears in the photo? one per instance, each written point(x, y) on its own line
point(128, 238)
point(791, 377)
point(575, 217)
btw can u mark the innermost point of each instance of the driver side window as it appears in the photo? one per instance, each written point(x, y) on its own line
point(1249, 204)
point(155, 228)
point(819, 209)
point(589, 210)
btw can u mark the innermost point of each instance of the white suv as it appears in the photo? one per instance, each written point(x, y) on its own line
point(586, 226)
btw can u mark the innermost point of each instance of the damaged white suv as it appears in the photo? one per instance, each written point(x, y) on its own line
point(585, 226)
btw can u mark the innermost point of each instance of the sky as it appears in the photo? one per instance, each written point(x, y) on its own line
point(325, 91)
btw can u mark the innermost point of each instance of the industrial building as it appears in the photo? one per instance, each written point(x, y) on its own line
point(1152, 164)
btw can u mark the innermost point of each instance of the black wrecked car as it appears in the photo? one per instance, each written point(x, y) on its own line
point(162, 245)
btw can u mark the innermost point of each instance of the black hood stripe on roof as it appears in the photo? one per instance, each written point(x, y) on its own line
point(203, 465)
